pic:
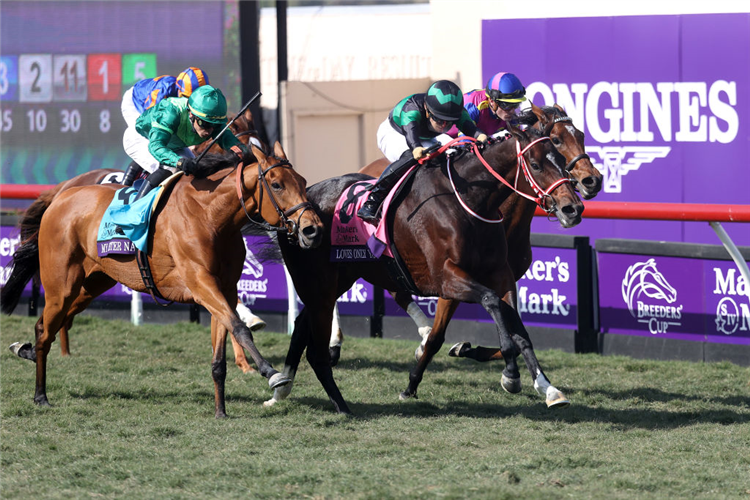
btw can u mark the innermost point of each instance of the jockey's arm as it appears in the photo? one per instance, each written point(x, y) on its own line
point(158, 140)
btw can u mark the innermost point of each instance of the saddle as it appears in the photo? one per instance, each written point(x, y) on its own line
point(126, 223)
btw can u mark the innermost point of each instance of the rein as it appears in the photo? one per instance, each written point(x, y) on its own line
point(542, 195)
point(290, 226)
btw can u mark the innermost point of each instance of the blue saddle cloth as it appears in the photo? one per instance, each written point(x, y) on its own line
point(125, 225)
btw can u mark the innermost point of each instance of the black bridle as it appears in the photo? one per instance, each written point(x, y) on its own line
point(289, 225)
point(548, 130)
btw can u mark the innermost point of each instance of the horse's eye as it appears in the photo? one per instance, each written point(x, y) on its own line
point(535, 166)
point(556, 141)
point(276, 186)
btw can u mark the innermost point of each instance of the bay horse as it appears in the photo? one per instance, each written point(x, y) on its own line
point(451, 252)
point(518, 212)
point(196, 258)
point(243, 128)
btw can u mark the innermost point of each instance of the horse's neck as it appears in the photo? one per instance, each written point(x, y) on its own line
point(218, 197)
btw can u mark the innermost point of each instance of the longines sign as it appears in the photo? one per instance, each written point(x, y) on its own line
point(662, 101)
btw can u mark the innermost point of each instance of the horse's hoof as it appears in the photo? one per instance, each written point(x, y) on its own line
point(418, 353)
point(335, 353)
point(405, 396)
point(42, 401)
point(556, 399)
point(278, 380)
point(25, 351)
point(256, 324)
point(459, 349)
point(511, 385)
point(220, 415)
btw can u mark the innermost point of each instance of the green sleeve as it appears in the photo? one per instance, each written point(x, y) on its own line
point(158, 140)
point(228, 139)
point(164, 124)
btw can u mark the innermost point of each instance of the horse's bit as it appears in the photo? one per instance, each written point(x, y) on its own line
point(290, 226)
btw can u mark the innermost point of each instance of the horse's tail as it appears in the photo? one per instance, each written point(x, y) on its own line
point(25, 263)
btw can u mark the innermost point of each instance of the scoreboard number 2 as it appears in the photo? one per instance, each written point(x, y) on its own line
point(35, 77)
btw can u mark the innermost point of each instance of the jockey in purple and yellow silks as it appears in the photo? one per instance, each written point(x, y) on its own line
point(492, 106)
point(148, 93)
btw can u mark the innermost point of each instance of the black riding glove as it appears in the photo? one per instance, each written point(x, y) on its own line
point(187, 165)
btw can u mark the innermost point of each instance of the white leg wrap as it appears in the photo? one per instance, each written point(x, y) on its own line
point(541, 384)
point(337, 336)
point(424, 324)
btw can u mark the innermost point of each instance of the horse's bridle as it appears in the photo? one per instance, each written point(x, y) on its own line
point(542, 194)
point(290, 226)
point(548, 129)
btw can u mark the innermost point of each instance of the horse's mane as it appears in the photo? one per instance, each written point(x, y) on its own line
point(213, 162)
point(528, 118)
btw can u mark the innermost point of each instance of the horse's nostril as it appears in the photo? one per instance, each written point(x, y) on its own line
point(310, 231)
point(572, 210)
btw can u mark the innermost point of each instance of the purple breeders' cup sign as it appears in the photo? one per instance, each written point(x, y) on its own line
point(661, 100)
point(672, 297)
point(547, 293)
point(263, 283)
point(727, 303)
point(9, 240)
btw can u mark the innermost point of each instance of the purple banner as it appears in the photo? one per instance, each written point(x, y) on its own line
point(547, 293)
point(662, 100)
point(672, 297)
point(9, 240)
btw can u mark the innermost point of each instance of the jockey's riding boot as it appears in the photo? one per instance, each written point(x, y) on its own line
point(153, 180)
point(390, 176)
point(131, 174)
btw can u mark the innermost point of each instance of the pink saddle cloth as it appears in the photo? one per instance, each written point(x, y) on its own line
point(352, 239)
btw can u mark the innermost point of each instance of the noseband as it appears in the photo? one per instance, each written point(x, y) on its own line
point(291, 227)
point(548, 130)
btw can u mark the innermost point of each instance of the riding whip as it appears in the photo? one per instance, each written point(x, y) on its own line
point(247, 105)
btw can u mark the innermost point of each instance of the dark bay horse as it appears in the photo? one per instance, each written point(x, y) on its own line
point(518, 212)
point(448, 251)
point(196, 252)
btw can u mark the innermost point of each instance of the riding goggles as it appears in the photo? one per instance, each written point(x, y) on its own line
point(507, 106)
point(203, 123)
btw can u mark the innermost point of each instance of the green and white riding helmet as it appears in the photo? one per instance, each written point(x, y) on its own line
point(208, 104)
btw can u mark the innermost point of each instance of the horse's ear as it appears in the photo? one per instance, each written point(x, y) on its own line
point(279, 151)
point(560, 108)
point(248, 116)
point(258, 153)
point(541, 116)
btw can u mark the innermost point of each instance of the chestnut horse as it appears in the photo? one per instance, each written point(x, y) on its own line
point(445, 227)
point(243, 127)
point(518, 212)
point(196, 258)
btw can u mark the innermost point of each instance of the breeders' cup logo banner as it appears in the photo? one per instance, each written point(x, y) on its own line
point(547, 293)
point(672, 297)
point(650, 298)
point(656, 97)
point(263, 282)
